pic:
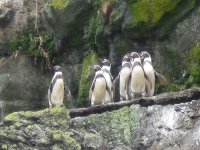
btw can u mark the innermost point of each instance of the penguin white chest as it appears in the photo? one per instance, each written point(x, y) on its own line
point(137, 80)
point(99, 91)
point(57, 94)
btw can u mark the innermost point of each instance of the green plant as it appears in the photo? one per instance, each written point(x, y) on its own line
point(32, 43)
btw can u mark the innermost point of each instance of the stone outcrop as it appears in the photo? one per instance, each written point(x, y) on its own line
point(165, 126)
point(74, 31)
point(24, 86)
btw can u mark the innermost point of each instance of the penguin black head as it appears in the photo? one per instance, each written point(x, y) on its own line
point(96, 68)
point(126, 58)
point(145, 55)
point(106, 62)
point(57, 69)
point(134, 55)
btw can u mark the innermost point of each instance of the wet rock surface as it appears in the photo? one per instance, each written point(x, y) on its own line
point(169, 126)
point(24, 86)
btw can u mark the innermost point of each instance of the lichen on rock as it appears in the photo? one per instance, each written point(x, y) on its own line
point(59, 4)
point(46, 128)
point(150, 12)
point(147, 18)
point(117, 127)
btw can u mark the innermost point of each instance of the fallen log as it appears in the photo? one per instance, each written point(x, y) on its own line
point(161, 99)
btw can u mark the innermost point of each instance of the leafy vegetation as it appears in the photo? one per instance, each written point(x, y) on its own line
point(193, 62)
point(33, 44)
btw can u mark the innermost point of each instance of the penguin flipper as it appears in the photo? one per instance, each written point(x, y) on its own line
point(161, 78)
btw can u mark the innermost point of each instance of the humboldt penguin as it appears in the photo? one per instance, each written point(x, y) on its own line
point(124, 77)
point(137, 81)
point(56, 88)
point(149, 74)
point(106, 66)
point(99, 87)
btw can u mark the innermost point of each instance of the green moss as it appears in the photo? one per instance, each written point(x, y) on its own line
point(57, 135)
point(120, 126)
point(150, 12)
point(29, 127)
point(170, 19)
point(4, 147)
point(2, 134)
point(28, 42)
point(93, 141)
point(156, 17)
point(14, 117)
point(117, 126)
point(59, 4)
point(172, 87)
point(14, 146)
point(60, 112)
point(94, 34)
point(69, 142)
point(87, 77)
point(192, 63)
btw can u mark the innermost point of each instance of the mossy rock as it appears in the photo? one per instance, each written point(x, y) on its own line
point(192, 62)
point(95, 33)
point(67, 18)
point(173, 63)
point(69, 142)
point(57, 114)
point(150, 12)
point(117, 14)
point(86, 78)
point(59, 4)
point(122, 45)
point(156, 17)
point(170, 19)
point(116, 127)
point(94, 141)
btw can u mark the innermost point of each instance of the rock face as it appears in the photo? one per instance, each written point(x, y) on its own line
point(73, 31)
point(23, 85)
point(153, 127)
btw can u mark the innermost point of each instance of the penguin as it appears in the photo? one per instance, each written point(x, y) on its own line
point(106, 66)
point(137, 79)
point(149, 74)
point(98, 88)
point(124, 76)
point(56, 88)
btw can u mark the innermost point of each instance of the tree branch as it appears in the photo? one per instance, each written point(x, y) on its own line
point(161, 99)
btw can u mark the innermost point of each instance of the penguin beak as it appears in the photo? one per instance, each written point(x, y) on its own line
point(141, 55)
